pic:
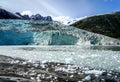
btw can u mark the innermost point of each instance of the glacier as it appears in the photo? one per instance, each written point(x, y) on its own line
point(25, 32)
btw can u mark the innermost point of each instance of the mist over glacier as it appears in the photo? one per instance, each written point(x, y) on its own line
point(24, 32)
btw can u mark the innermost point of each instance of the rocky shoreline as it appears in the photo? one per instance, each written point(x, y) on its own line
point(19, 70)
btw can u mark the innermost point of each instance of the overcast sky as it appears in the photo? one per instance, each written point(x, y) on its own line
point(72, 8)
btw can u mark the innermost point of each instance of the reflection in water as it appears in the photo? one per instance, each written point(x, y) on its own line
point(113, 48)
point(70, 48)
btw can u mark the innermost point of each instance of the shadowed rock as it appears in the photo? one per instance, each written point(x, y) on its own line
point(7, 15)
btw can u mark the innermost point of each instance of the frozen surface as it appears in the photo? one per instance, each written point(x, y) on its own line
point(23, 32)
point(82, 56)
point(67, 20)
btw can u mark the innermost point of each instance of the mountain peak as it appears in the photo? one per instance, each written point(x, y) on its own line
point(4, 14)
point(66, 20)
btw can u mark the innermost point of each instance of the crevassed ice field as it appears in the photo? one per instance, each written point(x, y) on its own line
point(71, 45)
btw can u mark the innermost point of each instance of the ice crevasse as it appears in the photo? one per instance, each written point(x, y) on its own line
point(24, 32)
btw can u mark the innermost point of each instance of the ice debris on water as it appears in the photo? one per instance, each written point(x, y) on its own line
point(96, 72)
point(87, 78)
point(58, 72)
point(44, 62)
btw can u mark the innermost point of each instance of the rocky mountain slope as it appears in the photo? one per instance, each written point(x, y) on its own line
point(106, 24)
point(35, 17)
point(25, 32)
point(4, 14)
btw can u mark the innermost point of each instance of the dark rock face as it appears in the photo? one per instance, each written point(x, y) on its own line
point(7, 15)
point(39, 17)
point(107, 24)
point(18, 14)
point(25, 17)
point(49, 18)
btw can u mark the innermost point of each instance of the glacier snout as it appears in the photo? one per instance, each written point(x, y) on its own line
point(24, 32)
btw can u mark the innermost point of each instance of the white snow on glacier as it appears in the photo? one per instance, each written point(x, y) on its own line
point(66, 20)
point(23, 32)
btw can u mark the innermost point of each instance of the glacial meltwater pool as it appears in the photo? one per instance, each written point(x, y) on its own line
point(103, 57)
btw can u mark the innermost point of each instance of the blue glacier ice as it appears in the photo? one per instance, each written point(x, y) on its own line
point(24, 32)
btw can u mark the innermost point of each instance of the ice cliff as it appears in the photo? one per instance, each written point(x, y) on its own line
point(25, 32)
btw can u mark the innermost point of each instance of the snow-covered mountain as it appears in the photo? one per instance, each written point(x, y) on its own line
point(66, 20)
point(25, 32)
point(26, 15)
point(34, 17)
